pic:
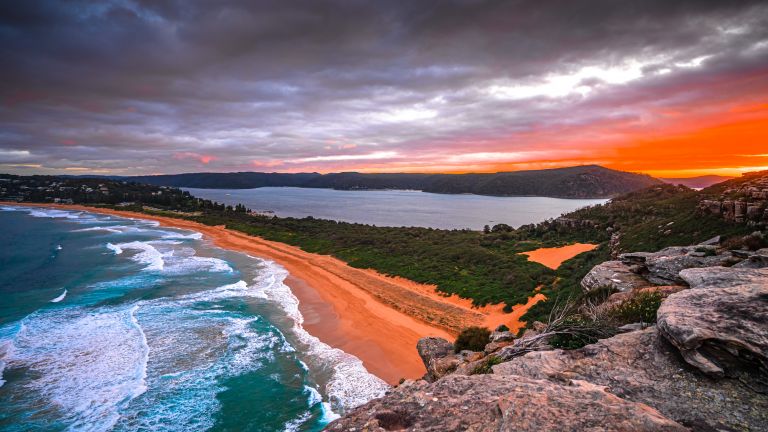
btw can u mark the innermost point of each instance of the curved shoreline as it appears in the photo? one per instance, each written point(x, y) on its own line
point(337, 301)
point(375, 317)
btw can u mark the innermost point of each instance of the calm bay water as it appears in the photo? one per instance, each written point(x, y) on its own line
point(113, 324)
point(398, 207)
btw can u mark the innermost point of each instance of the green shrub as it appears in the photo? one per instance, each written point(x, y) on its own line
point(502, 328)
point(576, 339)
point(473, 339)
point(641, 307)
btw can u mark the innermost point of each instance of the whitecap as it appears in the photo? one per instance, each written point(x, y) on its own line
point(115, 248)
point(58, 247)
point(175, 235)
point(60, 297)
point(147, 254)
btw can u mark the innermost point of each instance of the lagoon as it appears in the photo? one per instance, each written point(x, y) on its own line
point(397, 207)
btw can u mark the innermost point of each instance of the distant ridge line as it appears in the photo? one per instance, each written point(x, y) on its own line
point(586, 181)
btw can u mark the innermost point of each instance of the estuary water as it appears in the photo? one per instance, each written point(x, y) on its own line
point(114, 324)
point(397, 207)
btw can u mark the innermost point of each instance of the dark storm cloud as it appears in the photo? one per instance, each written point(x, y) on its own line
point(152, 86)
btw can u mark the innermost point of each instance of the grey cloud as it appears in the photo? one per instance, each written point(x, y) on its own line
point(125, 85)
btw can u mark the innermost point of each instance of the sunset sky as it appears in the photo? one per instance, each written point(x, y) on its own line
point(670, 88)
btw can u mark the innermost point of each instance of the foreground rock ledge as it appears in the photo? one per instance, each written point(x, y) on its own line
point(502, 403)
point(642, 366)
point(722, 332)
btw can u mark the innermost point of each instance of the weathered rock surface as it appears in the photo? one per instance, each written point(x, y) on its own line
point(758, 259)
point(642, 366)
point(663, 267)
point(724, 277)
point(722, 332)
point(432, 350)
point(614, 274)
point(502, 403)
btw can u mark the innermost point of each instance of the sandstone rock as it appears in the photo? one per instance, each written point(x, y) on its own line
point(641, 366)
point(663, 267)
point(430, 350)
point(722, 332)
point(612, 274)
point(758, 259)
point(722, 277)
point(501, 403)
point(714, 241)
point(495, 346)
point(502, 336)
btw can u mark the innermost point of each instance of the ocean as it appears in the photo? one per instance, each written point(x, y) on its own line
point(115, 324)
point(398, 207)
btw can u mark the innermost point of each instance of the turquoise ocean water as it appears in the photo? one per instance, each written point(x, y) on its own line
point(113, 324)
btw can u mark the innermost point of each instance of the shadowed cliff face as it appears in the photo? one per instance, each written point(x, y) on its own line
point(702, 367)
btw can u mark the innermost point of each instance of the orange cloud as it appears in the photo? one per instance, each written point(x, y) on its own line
point(202, 158)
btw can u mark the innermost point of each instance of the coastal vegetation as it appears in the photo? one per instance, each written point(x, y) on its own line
point(484, 266)
point(472, 339)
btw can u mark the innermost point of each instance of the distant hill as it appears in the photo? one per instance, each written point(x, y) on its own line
point(236, 180)
point(699, 182)
point(589, 181)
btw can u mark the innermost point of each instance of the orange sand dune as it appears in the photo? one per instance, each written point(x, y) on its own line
point(553, 257)
point(375, 317)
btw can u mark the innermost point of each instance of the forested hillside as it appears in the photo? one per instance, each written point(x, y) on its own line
point(589, 181)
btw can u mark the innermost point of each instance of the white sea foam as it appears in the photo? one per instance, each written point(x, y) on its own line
point(60, 297)
point(89, 368)
point(176, 235)
point(2, 368)
point(148, 255)
point(115, 229)
point(351, 384)
point(164, 256)
point(115, 248)
point(58, 247)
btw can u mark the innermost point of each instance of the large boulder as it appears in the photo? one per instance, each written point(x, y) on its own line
point(724, 277)
point(613, 274)
point(722, 332)
point(663, 267)
point(483, 403)
point(641, 366)
point(432, 350)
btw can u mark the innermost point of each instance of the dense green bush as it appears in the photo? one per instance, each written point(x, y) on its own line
point(473, 339)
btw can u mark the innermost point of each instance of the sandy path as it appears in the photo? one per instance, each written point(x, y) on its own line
point(553, 257)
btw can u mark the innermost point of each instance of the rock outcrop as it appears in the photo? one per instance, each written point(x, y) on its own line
point(722, 332)
point(641, 366)
point(613, 274)
point(502, 403)
point(724, 277)
point(663, 267)
point(744, 202)
point(432, 349)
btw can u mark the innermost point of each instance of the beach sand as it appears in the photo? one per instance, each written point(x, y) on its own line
point(375, 317)
point(553, 257)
